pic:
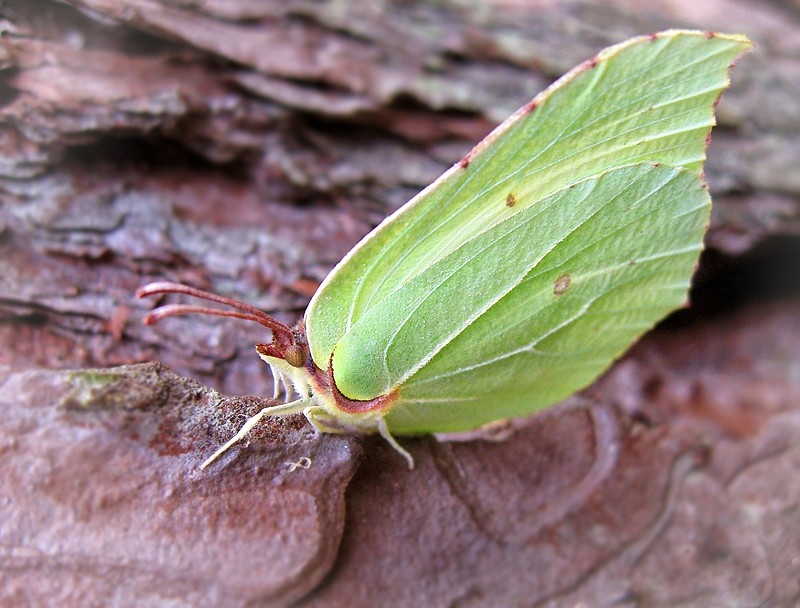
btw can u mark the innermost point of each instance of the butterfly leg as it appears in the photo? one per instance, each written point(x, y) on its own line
point(322, 421)
point(295, 407)
point(383, 429)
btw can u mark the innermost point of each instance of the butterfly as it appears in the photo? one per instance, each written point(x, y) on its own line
point(524, 271)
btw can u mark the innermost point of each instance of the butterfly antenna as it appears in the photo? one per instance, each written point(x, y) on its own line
point(244, 311)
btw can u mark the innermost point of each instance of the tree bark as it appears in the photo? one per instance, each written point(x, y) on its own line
point(244, 147)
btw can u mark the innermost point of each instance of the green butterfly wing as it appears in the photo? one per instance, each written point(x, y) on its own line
point(554, 310)
point(524, 271)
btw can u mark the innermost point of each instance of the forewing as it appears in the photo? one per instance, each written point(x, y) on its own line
point(646, 100)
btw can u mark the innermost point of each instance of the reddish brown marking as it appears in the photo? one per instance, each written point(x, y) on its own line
point(296, 352)
point(561, 284)
point(653, 36)
point(355, 406)
point(464, 162)
point(593, 62)
point(710, 35)
point(716, 103)
point(511, 200)
point(530, 106)
point(656, 164)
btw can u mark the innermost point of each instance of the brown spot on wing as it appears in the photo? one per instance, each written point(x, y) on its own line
point(561, 284)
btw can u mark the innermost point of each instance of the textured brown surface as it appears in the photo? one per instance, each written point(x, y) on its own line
point(104, 502)
point(244, 146)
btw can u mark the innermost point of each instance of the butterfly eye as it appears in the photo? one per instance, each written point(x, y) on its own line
point(295, 355)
